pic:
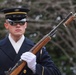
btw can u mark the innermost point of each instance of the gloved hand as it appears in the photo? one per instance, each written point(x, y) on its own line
point(30, 58)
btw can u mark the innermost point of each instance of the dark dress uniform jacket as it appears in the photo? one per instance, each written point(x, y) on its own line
point(8, 58)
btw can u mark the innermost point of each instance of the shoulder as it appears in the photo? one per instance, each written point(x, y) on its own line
point(28, 41)
point(3, 41)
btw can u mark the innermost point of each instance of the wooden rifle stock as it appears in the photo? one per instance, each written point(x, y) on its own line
point(20, 64)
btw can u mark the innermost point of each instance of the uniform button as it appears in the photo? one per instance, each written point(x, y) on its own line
point(24, 71)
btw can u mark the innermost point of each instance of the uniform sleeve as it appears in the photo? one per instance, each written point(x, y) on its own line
point(46, 66)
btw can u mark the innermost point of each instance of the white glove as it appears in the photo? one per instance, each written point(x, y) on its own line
point(30, 58)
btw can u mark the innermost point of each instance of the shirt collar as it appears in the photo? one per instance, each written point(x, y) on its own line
point(20, 40)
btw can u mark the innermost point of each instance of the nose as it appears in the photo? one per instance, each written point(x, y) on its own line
point(18, 25)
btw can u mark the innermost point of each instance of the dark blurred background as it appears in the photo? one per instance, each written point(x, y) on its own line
point(45, 15)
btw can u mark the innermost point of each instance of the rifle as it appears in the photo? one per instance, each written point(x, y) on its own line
point(20, 64)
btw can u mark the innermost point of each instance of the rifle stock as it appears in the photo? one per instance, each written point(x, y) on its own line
point(18, 69)
point(20, 64)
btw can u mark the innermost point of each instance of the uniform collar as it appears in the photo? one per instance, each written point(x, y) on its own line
point(17, 44)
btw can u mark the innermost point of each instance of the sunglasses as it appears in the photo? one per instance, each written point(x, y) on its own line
point(12, 23)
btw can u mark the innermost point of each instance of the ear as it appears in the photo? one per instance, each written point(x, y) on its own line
point(6, 25)
point(25, 25)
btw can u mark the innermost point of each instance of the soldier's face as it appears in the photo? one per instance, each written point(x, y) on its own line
point(16, 29)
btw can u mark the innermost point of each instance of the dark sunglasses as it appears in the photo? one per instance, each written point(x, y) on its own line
point(12, 23)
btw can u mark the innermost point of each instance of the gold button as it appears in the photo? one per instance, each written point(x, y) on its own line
point(24, 71)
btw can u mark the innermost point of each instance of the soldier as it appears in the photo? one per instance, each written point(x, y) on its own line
point(16, 46)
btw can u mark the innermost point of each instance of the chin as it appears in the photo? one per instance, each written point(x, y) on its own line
point(18, 35)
